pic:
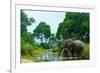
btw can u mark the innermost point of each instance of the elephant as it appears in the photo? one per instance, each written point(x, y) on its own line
point(71, 48)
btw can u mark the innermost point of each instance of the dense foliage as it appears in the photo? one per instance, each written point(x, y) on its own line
point(42, 31)
point(75, 25)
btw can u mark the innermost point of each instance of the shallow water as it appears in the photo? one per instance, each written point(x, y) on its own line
point(49, 56)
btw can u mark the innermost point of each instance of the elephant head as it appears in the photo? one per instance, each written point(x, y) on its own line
point(71, 48)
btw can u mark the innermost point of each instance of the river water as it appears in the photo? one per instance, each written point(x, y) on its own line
point(49, 56)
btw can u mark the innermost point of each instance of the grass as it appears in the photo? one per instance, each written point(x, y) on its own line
point(33, 58)
point(86, 51)
point(28, 57)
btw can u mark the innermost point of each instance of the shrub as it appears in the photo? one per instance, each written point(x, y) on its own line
point(86, 52)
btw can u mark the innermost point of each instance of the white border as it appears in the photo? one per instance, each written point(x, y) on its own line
point(15, 34)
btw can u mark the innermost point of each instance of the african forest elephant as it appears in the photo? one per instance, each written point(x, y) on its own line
point(71, 48)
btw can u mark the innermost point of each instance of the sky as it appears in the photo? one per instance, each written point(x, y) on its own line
point(51, 18)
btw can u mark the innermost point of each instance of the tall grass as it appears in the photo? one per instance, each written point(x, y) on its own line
point(86, 51)
point(30, 51)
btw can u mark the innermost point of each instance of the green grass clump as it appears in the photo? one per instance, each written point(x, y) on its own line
point(86, 52)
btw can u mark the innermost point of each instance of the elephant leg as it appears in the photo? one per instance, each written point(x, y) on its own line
point(80, 53)
point(74, 54)
point(67, 54)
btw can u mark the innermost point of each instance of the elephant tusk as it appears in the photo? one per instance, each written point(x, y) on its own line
point(62, 52)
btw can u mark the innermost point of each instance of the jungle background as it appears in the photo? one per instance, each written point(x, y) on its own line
point(75, 25)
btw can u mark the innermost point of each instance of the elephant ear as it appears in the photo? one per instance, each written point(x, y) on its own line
point(69, 42)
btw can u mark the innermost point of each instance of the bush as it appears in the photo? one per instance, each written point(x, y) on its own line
point(86, 52)
point(26, 48)
point(29, 51)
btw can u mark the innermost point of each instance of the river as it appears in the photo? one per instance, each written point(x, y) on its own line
point(49, 56)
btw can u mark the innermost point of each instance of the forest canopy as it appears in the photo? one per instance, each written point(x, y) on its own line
point(75, 25)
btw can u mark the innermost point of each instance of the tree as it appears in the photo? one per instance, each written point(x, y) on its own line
point(59, 31)
point(42, 31)
point(27, 46)
point(28, 37)
point(75, 25)
point(25, 21)
point(52, 40)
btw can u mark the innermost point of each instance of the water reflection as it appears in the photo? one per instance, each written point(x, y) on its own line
point(49, 56)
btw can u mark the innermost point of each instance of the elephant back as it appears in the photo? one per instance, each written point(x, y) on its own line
point(78, 43)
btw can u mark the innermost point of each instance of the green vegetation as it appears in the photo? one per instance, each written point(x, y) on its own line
point(75, 25)
point(42, 31)
point(30, 51)
point(86, 52)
